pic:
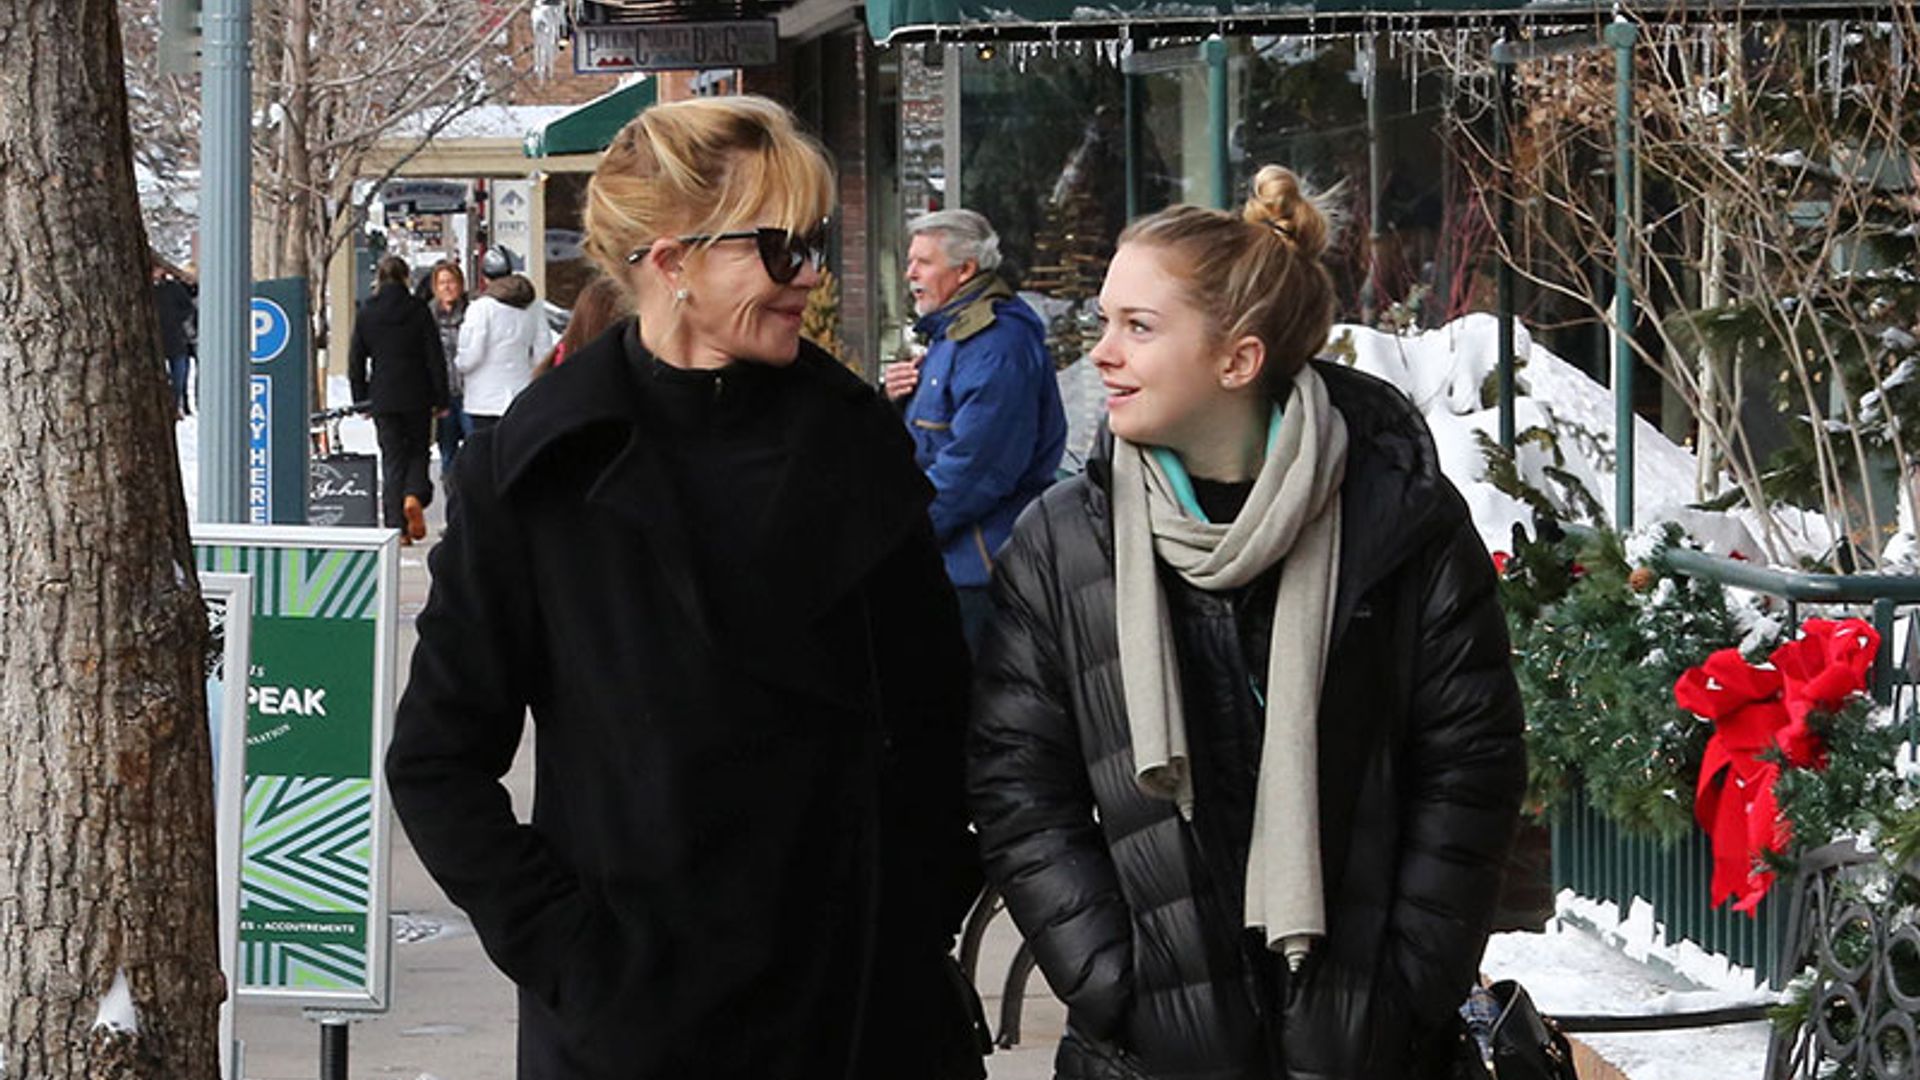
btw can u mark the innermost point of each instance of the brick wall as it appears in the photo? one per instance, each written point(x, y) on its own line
point(564, 88)
point(845, 133)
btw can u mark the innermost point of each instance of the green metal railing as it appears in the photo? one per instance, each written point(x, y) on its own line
point(1594, 858)
point(1597, 859)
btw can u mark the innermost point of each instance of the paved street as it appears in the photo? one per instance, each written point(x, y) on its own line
point(452, 1014)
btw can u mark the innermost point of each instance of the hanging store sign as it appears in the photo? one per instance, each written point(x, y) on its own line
point(406, 198)
point(675, 46)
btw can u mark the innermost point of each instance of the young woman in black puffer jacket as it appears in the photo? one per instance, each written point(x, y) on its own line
point(1246, 747)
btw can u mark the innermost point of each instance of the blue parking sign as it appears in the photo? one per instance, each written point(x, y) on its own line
point(271, 330)
point(278, 397)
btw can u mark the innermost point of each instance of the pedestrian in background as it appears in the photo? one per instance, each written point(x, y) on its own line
point(173, 302)
point(1246, 752)
point(984, 408)
point(501, 336)
point(697, 554)
point(600, 305)
point(407, 384)
point(448, 303)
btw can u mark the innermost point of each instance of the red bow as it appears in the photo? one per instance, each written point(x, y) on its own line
point(1754, 709)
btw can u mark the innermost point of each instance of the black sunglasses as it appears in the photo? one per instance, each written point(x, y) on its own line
point(781, 252)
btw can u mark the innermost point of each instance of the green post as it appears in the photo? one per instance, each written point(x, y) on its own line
point(1217, 119)
point(1503, 273)
point(1883, 616)
point(1621, 36)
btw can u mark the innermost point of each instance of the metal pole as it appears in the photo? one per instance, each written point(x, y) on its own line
point(1217, 118)
point(950, 126)
point(333, 1048)
point(1134, 94)
point(1621, 36)
point(1370, 299)
point(1503, 273)
point(225, 252)
point(1883, 615)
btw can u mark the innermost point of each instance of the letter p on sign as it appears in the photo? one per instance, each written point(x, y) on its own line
point(271, 329)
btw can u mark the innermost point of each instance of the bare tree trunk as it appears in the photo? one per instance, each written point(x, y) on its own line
point(105, 775)
point(296, 257)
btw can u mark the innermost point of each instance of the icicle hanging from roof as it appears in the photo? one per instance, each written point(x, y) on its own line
point(549, 24)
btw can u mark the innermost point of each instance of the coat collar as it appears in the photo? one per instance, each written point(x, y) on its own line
point(970, 311)
point(850, 494)
point(1391, 499)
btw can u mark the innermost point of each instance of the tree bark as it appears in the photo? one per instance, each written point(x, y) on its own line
point(105, 774)
point(296, 257)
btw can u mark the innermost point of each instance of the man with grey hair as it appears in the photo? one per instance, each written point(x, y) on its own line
point(985, 411)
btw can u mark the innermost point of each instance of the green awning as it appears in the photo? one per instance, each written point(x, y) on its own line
point(906, 20)
point(894, 21)
point(589, 128)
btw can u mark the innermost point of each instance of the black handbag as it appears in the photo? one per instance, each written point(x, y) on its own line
point(968, 1003)
point(1526, 1045)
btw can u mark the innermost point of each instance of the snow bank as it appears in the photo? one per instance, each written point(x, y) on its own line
point(1590, 961)
point(1443, 372)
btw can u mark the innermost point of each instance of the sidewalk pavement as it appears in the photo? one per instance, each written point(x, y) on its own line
point(451, 1015)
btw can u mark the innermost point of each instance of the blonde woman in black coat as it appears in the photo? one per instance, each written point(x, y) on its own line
point(1246, 750)
point(697, 555)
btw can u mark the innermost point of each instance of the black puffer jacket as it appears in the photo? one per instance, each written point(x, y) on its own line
point(1421, 767)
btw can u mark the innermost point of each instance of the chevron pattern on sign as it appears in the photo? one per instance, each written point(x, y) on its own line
point(299, 581)
point(308, 844)
point(320, 967)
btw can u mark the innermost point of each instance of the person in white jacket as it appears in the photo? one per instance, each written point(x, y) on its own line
point(502, 337)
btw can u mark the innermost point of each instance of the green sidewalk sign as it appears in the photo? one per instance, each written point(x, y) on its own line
point(314, 840)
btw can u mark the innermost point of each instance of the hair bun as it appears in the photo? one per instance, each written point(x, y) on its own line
point(1281, 202)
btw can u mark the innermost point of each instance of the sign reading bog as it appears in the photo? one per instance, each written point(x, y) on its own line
point(319, 694)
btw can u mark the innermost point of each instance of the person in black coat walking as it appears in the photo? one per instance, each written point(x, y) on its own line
point(408, 384)
point(1246, 747)
point(698, 555)
point(173, 301)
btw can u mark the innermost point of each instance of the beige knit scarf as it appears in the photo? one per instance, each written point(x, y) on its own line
point(1292, 513)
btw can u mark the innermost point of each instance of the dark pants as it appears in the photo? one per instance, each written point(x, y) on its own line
point(403, 462)
point(477, 423)
point(976, 610)
point(449, 430)
point(177, 370)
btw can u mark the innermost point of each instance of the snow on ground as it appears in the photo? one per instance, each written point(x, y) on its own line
point(356, 436)
point(1590, 962)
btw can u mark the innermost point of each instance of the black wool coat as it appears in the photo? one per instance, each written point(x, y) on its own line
point(1421, 773)
point(748, 849)
point(398, 333)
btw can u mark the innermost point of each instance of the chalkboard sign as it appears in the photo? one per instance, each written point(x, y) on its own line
point(343, 490)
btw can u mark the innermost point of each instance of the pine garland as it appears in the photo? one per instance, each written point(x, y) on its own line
point(1598, 645)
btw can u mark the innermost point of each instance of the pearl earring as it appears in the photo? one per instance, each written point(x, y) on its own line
point(680, 296)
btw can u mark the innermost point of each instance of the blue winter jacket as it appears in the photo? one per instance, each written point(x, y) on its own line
point(986, 421)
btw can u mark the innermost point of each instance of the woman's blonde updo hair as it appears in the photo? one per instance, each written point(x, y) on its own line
point(705, 165)
point(1257, 272)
